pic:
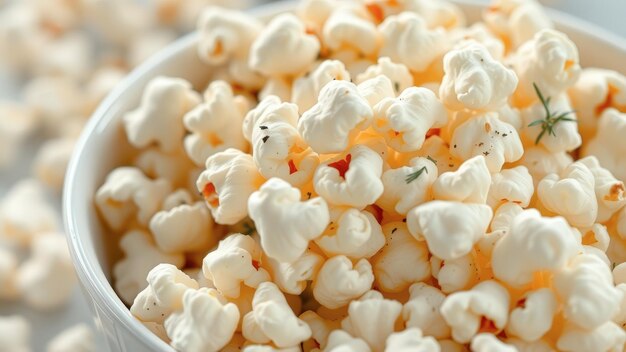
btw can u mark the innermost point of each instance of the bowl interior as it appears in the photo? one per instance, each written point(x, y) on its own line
point(102, 146)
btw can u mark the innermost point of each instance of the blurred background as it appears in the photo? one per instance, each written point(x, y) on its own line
point(58, 59)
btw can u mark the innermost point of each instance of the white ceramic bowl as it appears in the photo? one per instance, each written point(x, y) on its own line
point(101, 148)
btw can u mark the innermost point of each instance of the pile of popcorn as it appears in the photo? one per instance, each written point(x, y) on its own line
point(377, 175)
point(68, 55)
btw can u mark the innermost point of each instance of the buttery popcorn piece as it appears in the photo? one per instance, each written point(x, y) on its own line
point(411, 340)
point(373, 320)
point(51, 161)
point(321, 328)
point(408, 186)
point(486, 342)
point(341, 341)
point(339, 281)
point(606, 337)
point(455, 274)
point(469, 184)
point(292, 277)
point(346, 23)
point(516, 21)
point(270, 109)
point(564, 136)
point(609, 190)
point(422, 311)
point(533, 315)
point(78, 338)
point(306, 89)
point(399, 74)
point(514, 185)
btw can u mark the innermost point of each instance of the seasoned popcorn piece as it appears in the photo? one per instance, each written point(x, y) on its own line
point(404, 121)
point(562, 137)
point(307, 88)
point(487, 342)
point(606, 337)
point(141, 255)
point(214, 124)
point(533, 315)
point(227, 182)
point(350, 179)
point(284, 37)
point(339, 281)
point(586, 288)
point(271, 319)
point(25, 213)
point(321, 328)
point(595, 91)
point(484, 308)
point(159, 118)
point(15, 333)
point(334, 122)
point(552, 76)
point(408, 40)
point(504, 215)
point(469, 184)
point(571, 194)
point(128, 195)
point(609, 190)
point(437, 149)
point(174, 167)
point(449, 228)
point(206, 322)
point(422, 311)
point(270, 109)
point(402, 261)
point(372, 319)
point(514, 185)
point(163, 295)
point(475, 80)
point(286, 224)
point(455, 274)
point(516, 21)
point(341, 341)
point(46, 280)
point(408, 186)
point(399, 74)
point(292, 278)
point(235, 261)
point(541, 162)
point(411, 340)
point(347, 22)
point(78, 338)
point(486, 134)
point(226, 35)
point(533, 244)
point(51, 161)
point(607, 145)
point(353, 233)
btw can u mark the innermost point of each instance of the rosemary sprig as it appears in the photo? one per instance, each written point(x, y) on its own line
point(432, 160)
point(551, 119)
point(415, 175)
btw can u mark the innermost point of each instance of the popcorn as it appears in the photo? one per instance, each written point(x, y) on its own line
point(374, 90)
point(51, 161)
point(422, 311)
point(571, 194)
point(449, 228)
point(552, 76)
point(339, 340)
point(399, 74)
point(158, 119)
point(163, 295)
point(225, 35)
point(486, 342)
point(307, 88)
point(606, 145)
point(270, 109)
point(541, 163)
point(214, 124)
point(455, 274)
point(128, 194)
point(8, 274)
point(141, 255)
point(333, 123)
point(513, 185)
point(606, 337)
point(235, 261)
point(404, 121)
point(355, 234)
point(271, 319)
point(346, 23)
point(438, 13)
point(77, 338)
point(315, 12)
point(339, 281)
point(17, 121)
point(399, 194)
point(292, 278)
point(408, 40)
point(535, 346)
point(487, 135)
point(275, 208)
point(25, 213)
point(516, 21)
point(484, 308)
point(355, 62)
point(533, 244)
point(609, 191)
point(409, 340)
point(587, 291)
point(15, 333)
point(564, 136)
point(278, 86)
point(227, 183)
point(372, 320)
point(174, 167)
point(479, 32)
point(533, 315)
point(469, 184)
point(475, 80)
point(46, 280)
point(284, 37)
point(352, 179)
point(70, 55)
point(402, 261)
point(504, 215)
point(321, 328)
point(205, 324)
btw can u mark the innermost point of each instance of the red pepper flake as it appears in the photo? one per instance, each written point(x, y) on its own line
point(433, 132)
point(342, 165)
point(376, 11)
point(521, 303)
point(486, 325)
point(292, 167)
point(378, 213)
point(256, 264)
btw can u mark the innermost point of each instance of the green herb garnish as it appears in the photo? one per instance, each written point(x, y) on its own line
point(415, 175)
point(551, 119)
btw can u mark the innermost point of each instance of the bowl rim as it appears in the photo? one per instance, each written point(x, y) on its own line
point(89, 276)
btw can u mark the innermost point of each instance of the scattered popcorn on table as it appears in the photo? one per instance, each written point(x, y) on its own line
point(15, 334)
point(78, 338)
